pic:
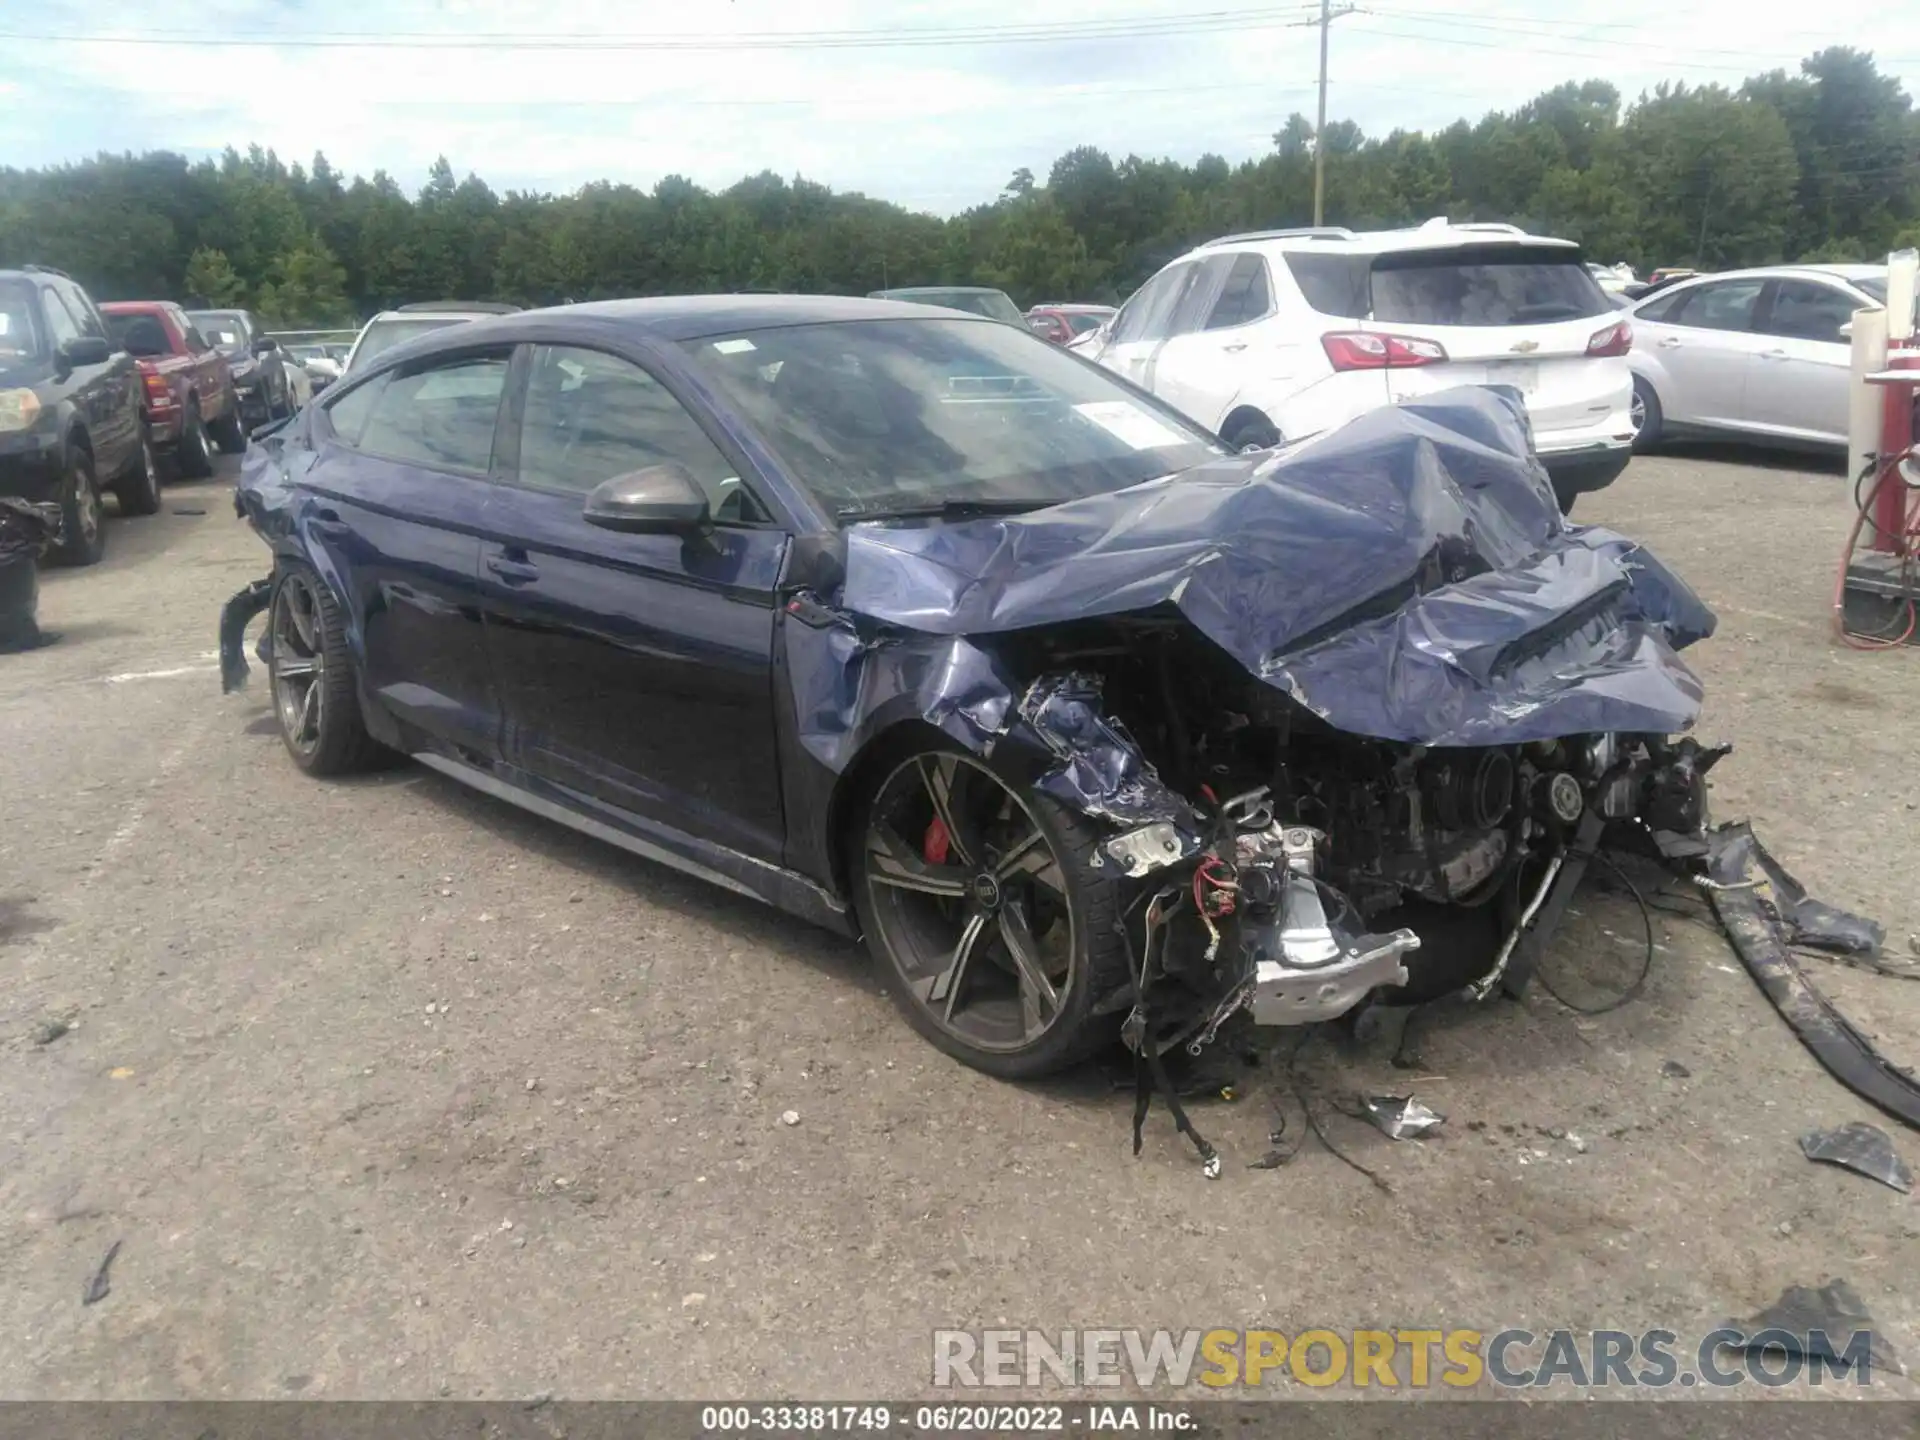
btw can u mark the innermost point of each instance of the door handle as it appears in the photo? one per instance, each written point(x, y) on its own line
point(511, 571)
point(1773, 354)
point(1667, 342)
point(1236, 348)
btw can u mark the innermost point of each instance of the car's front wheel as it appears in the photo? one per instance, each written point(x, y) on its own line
point(229, 432)
point(1645, 415)
point(193, 457)
point(987, 919)
point(310, 675)
point(83, 527)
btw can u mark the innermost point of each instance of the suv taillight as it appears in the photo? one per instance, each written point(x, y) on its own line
point(1363, 350)
point(1616, 339)
point(157, 392)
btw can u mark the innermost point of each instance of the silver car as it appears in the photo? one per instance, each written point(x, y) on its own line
point(1761, 353)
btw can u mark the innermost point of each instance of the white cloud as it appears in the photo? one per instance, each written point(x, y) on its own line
point(937, 125)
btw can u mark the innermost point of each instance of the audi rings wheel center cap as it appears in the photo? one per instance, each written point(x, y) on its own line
point(986, 891)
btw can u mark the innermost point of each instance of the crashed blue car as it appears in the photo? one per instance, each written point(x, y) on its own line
point(920, 628)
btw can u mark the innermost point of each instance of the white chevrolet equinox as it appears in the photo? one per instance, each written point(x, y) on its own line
point(1281, 334)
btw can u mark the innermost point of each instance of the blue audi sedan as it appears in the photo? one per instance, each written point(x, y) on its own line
point(918, 627)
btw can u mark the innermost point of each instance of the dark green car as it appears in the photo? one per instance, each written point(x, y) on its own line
point(973, 299)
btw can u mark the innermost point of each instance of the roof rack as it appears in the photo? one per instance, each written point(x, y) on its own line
point(1492, 227)
point(479, 307)
point(1300, 232)
point(46, 270)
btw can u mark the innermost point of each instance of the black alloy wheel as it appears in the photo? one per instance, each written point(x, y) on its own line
point(311, 673)
point(989, 926)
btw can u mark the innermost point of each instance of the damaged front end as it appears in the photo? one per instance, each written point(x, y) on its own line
point(1356, 717)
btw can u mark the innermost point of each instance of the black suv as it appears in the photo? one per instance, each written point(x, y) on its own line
point(259, 377)
point(69, 410)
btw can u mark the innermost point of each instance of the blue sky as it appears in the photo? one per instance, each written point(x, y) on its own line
point(550, 95)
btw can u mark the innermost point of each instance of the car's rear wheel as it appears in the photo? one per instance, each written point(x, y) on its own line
point(1644, 415)
point(194, 455)
point(83, 516)
point(985, 916)
point(310, 674)
point(228, 432)
point(1250, 432)
point(139, 488)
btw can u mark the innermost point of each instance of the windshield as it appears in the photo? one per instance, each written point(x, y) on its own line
point(881, 417)
point(17, 332)
point(219, 327)
point(381, 336)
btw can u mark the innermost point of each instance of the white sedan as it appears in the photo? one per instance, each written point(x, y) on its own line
point(1757, 353)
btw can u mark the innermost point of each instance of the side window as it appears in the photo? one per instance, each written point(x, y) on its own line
point(590, 417)
point(1197, 300)
point(442, 416)
point(1660, 311)
point(1336, 285)
point(1723, 305)
point(1806, 310)
point(60, 322)
point(196, 342)
point(90, 320)
point(1146, 314)
point(1245, 297)
point(347, 415)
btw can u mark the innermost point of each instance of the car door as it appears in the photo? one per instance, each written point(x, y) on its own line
point(1203, 364)
point(208, 369)
point(1142, 324)
point(1799, 383)
point(120, 385)
point(635, 670)
point(87, 386)
point(1708, 348)
point(398, 488)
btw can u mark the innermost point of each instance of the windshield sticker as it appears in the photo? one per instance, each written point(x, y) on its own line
point(739, 346)
point(1130, 424)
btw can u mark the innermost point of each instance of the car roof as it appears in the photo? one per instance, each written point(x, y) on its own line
point(1435, 234)
point(690, 317)
point(1075, 309)
point(1849, 273)
point(133, 307)
point(936, 290)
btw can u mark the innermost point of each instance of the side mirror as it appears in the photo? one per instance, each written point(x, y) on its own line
point(86, 350)
point(661, 499)
point(265, 345)
point(1846, 331)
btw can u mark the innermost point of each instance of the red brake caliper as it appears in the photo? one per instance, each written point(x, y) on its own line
point(934, 847)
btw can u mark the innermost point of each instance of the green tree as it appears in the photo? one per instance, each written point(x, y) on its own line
point(211, 280)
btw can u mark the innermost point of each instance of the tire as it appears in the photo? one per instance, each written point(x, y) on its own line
point(83, 519)
point(193, 456)
point(1252, 432)
point(227, 432)
point(1646, 404)
point(316, 701)
point(947, 955)
point(139, 489)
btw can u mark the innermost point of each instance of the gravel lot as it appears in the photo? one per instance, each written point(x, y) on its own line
point(388, 1090)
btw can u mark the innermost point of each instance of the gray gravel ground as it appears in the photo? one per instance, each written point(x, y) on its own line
point(391, 1091)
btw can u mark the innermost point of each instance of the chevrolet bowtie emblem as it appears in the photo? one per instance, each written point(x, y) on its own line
point(1526, 347)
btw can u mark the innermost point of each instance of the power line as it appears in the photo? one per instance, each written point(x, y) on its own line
point(1427, 38)
point(1127, 28)
point(1450, 21)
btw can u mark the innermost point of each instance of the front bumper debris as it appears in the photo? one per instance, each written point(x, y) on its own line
point(235, 615)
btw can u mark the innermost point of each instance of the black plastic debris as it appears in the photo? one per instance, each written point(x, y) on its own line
point(1764, 910)
point(1401, 1117)
point(99, 1287)
point(234, 616)
point(1816, 1324)
point(26, 529)
point(1862, 1147)
point(1674, 1070)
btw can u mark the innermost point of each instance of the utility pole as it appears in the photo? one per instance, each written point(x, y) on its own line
point(1327, 16)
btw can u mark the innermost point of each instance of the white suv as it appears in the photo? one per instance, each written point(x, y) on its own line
point(395, 327)
point(1282, 334)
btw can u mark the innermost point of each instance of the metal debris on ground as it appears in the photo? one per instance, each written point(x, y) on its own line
point(1861, 1147)
point(1809, 1323)
point(99, 1287)
point(1400, 1117)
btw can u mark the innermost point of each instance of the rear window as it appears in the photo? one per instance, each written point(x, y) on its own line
point(1504, 285)
point(382, 335)
point(1510, 285)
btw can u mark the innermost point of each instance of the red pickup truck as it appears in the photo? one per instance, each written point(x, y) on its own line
point(187, 394)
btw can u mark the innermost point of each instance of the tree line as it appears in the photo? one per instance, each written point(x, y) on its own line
point(1822, 164)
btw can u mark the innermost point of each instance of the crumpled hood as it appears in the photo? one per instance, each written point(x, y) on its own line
point(1408, 577)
